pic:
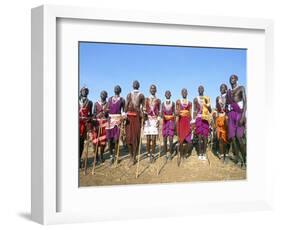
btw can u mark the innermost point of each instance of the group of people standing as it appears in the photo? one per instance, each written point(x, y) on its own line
point(115, 119)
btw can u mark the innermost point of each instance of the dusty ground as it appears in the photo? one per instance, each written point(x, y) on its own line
point(190, 170)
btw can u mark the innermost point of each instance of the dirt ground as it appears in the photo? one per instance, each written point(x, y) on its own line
point(190, 170)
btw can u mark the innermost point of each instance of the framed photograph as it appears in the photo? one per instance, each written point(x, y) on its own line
point(145, 114)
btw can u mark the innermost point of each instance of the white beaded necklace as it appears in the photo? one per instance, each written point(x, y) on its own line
point(168, 106)
point(102, 104)
point(83, 103)
point(115, 99)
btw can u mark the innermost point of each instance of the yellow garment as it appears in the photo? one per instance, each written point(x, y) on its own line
point(205, 112)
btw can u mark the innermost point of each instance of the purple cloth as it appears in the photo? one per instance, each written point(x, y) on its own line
point(113, 134)
point(234, 115)
point(234, 130)
point(114, 107)
point(168, 128)
point(201, 127)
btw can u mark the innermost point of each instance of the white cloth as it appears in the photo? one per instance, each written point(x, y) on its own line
point(240, 104)
point(114, 120)
point(150, 126)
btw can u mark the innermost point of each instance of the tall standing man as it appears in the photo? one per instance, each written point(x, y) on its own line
point(116, 105)
point(221, 122)
point(85, 113)
point(101, 115)
point(151, 125)
point(236, 108)
point(134, 109)
point(184, 130)
point(168, 128)
point(202, 110)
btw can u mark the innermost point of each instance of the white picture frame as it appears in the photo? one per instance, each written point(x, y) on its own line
point(49, 187)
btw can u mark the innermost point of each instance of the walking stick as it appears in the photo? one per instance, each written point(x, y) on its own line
point(159, 153)
point(118, 146)
point(208, 159)
point(86, 157)
point(138, 163)
point(207, 155)
point(179, 148)
point(96, 150)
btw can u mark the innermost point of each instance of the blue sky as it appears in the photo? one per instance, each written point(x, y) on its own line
point(104, 65)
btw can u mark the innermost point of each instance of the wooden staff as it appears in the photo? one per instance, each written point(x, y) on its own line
point(96, 150)
point(178, 149)
point(179, 154)
point(118, 146)
point(86, 157)
point(138, 163)
point(207, 153)
point(207, 156)
point(159, 153)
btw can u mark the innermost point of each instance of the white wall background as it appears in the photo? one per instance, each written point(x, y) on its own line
point(15, 111)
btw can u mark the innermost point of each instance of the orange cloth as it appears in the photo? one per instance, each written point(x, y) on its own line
point(221, 128)
point(184, 113)
point(168, 117)
point(132, 114)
